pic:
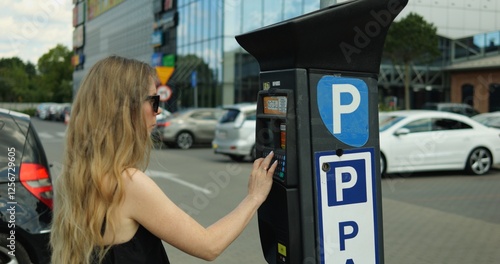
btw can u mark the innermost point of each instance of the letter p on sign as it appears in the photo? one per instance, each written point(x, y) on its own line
point(340, 109)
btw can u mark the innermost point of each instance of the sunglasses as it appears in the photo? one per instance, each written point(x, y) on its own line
point(155, 102)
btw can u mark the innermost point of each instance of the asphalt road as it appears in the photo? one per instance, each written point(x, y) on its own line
point(438, 218)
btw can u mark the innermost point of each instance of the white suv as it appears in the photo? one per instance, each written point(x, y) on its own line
point(235, 132)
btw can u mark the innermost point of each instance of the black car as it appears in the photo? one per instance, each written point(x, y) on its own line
point(25, 192)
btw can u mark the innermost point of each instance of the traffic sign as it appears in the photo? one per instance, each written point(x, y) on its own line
point(164, 73)
point(347, 217)
point(343, 107)
point(194, 79)
point(164, 92)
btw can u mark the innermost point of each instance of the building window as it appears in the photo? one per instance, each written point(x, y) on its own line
point(494, 97)
point(468, 94)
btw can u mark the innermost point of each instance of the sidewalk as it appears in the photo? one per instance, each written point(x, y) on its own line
point(419, 235)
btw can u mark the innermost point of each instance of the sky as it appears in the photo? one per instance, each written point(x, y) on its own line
point(30, 28)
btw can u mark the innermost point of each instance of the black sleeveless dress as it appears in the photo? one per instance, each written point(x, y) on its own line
point(144, 247)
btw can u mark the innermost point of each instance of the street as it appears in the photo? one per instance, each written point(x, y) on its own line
point(444, 217)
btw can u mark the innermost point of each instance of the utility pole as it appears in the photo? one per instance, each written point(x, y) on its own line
point(326, 3)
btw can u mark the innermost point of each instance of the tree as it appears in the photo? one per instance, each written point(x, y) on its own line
point(51, 80)
point(410, 40)
point(181, 78)
point(56, 74)
point(16, 80)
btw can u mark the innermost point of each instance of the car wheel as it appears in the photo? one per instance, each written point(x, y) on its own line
point(383, 165)
point(21, 255)
point(237, 157)
point(479, 161)
point(184, 140)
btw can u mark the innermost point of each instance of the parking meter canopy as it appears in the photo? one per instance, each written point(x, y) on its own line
point(326, 39)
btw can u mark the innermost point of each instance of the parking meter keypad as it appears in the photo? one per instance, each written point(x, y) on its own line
point(280, 171)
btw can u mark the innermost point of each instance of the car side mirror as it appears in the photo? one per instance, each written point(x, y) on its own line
point(402, 131)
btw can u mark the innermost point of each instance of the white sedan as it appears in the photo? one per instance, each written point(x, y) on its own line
point(420, 140)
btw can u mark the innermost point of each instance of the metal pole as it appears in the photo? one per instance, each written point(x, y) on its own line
point(326, 3)
point(196, 96)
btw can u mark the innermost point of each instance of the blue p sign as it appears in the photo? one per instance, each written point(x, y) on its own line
point(346, 183)
point(343, 107)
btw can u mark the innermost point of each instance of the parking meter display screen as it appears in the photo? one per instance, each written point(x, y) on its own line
point(274, 105)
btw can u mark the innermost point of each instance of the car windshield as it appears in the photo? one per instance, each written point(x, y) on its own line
point(386, 121)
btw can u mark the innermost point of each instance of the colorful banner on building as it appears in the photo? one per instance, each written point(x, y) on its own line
point(97, 7)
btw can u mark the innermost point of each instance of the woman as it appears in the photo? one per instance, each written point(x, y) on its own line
point(106, 209)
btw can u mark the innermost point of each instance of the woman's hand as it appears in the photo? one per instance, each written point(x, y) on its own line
point(261, 178)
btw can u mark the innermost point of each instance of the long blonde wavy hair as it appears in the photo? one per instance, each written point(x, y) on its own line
point(106, 135)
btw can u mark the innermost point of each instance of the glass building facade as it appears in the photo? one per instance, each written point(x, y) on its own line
point(206, 44)
point(476, 46)
point(227, 74)
point(211, 66)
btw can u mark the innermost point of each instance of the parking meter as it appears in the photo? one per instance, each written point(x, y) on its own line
point(317, 110)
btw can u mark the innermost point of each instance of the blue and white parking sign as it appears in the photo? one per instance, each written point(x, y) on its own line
point(347, 209)
point(343, 107)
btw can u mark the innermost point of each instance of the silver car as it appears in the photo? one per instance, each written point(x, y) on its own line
point(187, 127)
point(235, 132)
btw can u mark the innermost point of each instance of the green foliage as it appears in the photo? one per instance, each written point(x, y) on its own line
point(29, 111)
point(15, 80)
point(412, 39)
point(184, 66)
point(408, 41)
point(51, 80)
point(57, 73)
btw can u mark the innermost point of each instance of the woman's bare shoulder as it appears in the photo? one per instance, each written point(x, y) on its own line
point(136, 178)
point(140, 188)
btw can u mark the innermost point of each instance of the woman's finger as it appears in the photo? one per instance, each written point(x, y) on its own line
point(267, 161)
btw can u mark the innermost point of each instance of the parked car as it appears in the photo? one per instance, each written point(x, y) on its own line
point(25, 192)
point(463, 109)
point(235, 132)
point(61, 112)
point(187, 127)
point(419, 140)
point(489, 119)
point(164, 113)
point(43, 110)
point(53, 111)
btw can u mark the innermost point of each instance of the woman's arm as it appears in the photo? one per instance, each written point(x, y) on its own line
point(146, 203)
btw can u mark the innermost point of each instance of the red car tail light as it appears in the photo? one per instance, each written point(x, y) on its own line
point(35, 178)
point(163, 124)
